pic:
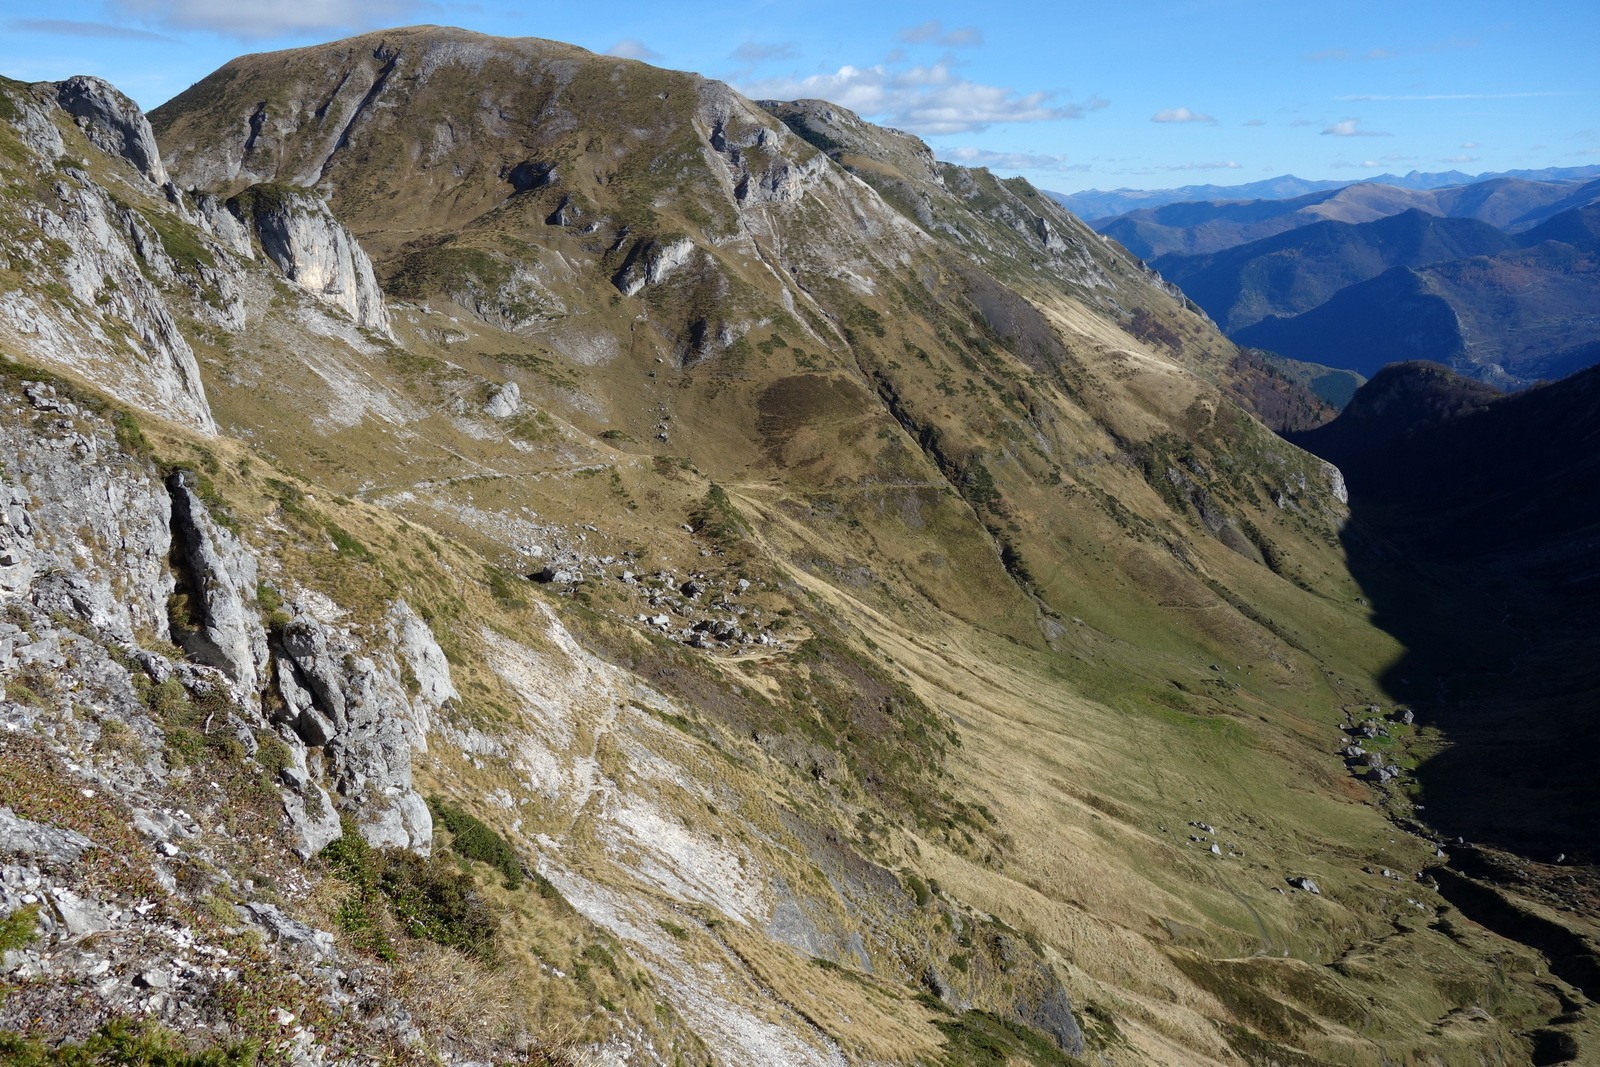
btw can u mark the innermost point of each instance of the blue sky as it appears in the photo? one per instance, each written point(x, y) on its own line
point(1143, 94)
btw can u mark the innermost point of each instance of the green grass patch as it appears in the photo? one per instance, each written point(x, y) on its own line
point(124, 1043)
point(983, 1039)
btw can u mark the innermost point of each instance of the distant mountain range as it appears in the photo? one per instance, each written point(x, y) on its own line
point(1195, 228)
point(1093, 204)
point(1496, 278)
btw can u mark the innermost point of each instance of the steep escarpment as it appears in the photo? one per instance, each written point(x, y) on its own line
point(297, 233)
point(764, 600)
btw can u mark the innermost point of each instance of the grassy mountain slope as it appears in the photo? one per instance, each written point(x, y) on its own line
point(1035, 594)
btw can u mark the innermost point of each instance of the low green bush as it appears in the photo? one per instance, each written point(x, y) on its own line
point(394, 891)
point(476, 840)
point(123, 1043)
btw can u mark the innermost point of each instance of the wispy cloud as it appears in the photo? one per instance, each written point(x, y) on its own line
point(1352, 128)
point(1256, 122)
point(1180, 114)
point(929, 100)
point(1459, 159)
point(1470, 144)
point(1228, 165)
point(72, 28)
point(248, 20)
point(933, 32)
point(757, 52)
point(1452, 96)
point(1302, 122)
point(1365, 164)
point(1013, 161)
point(628, 48)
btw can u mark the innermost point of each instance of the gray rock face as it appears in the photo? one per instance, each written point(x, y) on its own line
point(506, 401)
point(86, 531)
point(767, 164)
point(221, 573)
point(300, 235)
point(419, 650)
point(113, 123)
point(21, 836)
point(120, 332)
point(310, 810)
point(1053, 1015)
point(225, 226)
point(651, 263)
point(356, 709)
point(16, 542)
point(291, 932)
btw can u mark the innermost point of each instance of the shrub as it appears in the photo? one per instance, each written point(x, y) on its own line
point(393, 889)
point(476, 840)
point(18, 929)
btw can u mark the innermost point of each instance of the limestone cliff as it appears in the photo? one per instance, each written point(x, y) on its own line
point(300, 236)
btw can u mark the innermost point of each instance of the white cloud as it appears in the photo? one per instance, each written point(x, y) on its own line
point(933, 32)
point(1256, 122)
point(1352, 128)
point(1365, 164)
point(1180, 114)
point(628, 48)
point(1470, 144)
point(1013, 161)
point(1459, 159)
point(929, 100)
point(248, 19)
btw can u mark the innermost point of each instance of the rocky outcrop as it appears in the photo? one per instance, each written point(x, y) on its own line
point(106, 312)
point(225, 226)
point(86, 531)
point(113, 123)
point(506, 401)
point(766, 163)
point(651, 262)
point(219, 574)
point(89, 533)
point(355, 708)
point(302, 238)
point(419, 653)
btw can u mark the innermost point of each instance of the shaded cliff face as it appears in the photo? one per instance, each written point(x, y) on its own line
point(1473, 533)
point(925, 658)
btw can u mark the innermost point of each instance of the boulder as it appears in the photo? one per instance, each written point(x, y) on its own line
point(505, 402)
